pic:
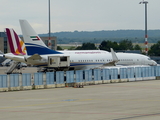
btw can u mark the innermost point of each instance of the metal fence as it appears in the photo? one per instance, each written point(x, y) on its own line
point(79, 76)
point(14, 80)
point(70, 77)
point(3, 81)
point(26, 79)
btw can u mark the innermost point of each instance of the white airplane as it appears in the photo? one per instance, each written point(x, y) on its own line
point(38, 54)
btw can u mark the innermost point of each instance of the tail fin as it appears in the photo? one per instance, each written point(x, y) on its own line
point(17, 46)
point(33, 42)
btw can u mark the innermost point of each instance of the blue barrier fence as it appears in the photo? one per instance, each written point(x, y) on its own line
point(38, 78)
point(14, 80)
point(106, 74)
point(88, 75)
point(138, 72)
point(97, 74)
point(60, 77)
point(49, 78)
point(79, 76)
point(123, 73)
point(114, 73)
point(130, 72)
point(26, 79)
point(70, 77)
point(157, 70)
point(3, 81)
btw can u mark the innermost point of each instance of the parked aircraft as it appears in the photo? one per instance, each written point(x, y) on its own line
point(38, 54)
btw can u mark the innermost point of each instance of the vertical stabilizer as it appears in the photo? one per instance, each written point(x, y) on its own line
point(17, 46)
point(33, 42)
point(29, 35)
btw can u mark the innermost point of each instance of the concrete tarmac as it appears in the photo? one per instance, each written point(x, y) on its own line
point(116, 101)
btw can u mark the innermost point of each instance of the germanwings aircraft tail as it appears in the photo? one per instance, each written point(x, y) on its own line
point(17, 46)
point(33, 42)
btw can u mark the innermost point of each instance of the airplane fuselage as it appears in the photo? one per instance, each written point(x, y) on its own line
point(86, 59)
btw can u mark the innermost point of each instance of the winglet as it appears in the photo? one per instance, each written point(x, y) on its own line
point(114, 59)
point(114, 56)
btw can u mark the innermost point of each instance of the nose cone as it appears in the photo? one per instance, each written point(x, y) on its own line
point(153, 62)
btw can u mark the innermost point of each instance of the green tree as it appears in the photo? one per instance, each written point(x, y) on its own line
point(87, 46)
point(78, 48)
point(137, 47)
point(71, 48)
point(155, 49)
point(106, 45)
point(59, 48)
point(125, 45)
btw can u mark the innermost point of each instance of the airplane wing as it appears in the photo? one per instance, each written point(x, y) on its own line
point(114, 57)
point(35, 57)
point(110, 64)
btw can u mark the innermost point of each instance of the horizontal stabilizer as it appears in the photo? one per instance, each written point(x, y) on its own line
point(35, 57)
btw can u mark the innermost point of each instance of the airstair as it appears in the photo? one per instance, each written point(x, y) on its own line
point(6, 62)
point(14, 68)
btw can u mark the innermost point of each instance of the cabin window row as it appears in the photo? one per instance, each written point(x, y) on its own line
point(88, 61)
point(101, 60)
point(85, 60)
point(125, 60)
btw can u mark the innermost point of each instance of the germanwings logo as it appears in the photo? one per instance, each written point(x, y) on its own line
point(34, 38)
point(17, 46)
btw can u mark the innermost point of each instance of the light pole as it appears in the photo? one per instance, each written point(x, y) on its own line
point(49, 37)
point(146, 35)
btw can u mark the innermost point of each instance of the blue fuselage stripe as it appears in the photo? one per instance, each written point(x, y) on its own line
point(75, 64)
point(31, 50)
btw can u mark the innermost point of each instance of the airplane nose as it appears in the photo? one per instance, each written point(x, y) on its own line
point(154, 62)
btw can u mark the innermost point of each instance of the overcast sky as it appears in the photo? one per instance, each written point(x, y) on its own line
point(81, 15)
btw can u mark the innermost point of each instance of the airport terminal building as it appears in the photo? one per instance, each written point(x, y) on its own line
point(4, 46)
